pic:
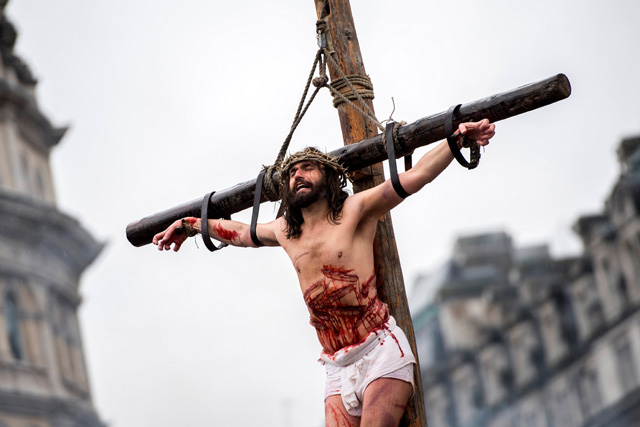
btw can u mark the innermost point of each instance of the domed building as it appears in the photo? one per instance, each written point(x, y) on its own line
point(43, 252)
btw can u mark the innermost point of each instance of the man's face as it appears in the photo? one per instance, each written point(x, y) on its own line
point(306, 184)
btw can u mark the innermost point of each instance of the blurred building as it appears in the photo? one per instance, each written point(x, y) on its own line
point(43, 376)
point(514, 337)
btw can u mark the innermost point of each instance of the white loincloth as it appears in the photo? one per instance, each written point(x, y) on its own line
point(384, 353)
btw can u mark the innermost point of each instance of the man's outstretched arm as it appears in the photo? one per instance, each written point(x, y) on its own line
point(230, 232)
point(379, 200)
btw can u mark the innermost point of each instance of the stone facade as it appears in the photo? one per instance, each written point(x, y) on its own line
point(43, 252)
point(515, 337)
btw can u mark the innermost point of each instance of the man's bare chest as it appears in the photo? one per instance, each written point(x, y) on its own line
point(329, 245)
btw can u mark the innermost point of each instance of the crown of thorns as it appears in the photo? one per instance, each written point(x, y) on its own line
point(314, 155)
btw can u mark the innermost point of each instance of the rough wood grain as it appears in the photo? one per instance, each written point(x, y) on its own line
point(343, 40)
point(369, 151)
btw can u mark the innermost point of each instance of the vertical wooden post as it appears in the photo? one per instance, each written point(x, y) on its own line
point(341, 34)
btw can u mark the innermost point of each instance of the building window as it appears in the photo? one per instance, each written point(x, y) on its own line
point(595, 315)
point(490, 383)
point(606, 268)
point(634, 256)
point(67, 344)
point(40, 183)
point(438, 407)
point(531, 420)
point(616, 283)
point(589, 388)
point(465, 388)
point(627, 374)
point(13, 325)
point(24, 163)
point(562, 410)
point(623, 291)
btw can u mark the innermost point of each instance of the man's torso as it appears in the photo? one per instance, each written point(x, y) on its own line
point(335, 267)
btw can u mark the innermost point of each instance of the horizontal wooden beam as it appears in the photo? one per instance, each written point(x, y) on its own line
point(370, 151)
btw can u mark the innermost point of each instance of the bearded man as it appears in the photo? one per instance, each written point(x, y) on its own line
point(328, 235)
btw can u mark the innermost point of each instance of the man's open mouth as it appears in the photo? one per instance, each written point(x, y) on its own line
point(301, 185)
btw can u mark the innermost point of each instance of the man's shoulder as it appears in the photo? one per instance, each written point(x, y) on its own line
point(276, 226)
point(355, 199)
point(279, 224)
point(371, 203)
point(353, 205)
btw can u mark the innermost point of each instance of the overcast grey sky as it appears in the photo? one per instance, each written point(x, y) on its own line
point(167, 101)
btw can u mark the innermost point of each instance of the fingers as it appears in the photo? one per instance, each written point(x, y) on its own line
point(158, 237)
point(481, 131)
point(488, 133)
point(164, 243)
point(169, 237)
point(481, 126)
point(162, 240)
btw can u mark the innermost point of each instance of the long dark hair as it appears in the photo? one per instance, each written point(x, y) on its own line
point(333, 185)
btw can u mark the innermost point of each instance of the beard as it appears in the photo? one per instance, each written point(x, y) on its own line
point(306, 199)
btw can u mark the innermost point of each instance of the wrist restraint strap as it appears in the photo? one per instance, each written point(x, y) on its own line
point(257, 195)
point(452, 140)
point(393, 167)
point(204, 225)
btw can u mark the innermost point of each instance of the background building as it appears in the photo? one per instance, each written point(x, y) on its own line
point(515, 337)
point(43, 252)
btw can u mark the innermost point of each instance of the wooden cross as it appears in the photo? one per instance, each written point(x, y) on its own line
point(343, 40)
point(363, 152)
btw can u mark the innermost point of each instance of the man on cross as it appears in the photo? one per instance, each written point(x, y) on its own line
point(328, 235)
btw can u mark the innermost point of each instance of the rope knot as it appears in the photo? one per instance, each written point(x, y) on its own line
point(321, 26)
point(320, 81)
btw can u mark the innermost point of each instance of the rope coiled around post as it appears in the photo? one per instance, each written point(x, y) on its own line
point(365, 91)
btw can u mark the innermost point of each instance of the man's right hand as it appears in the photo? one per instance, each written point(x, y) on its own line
point(173, 235)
